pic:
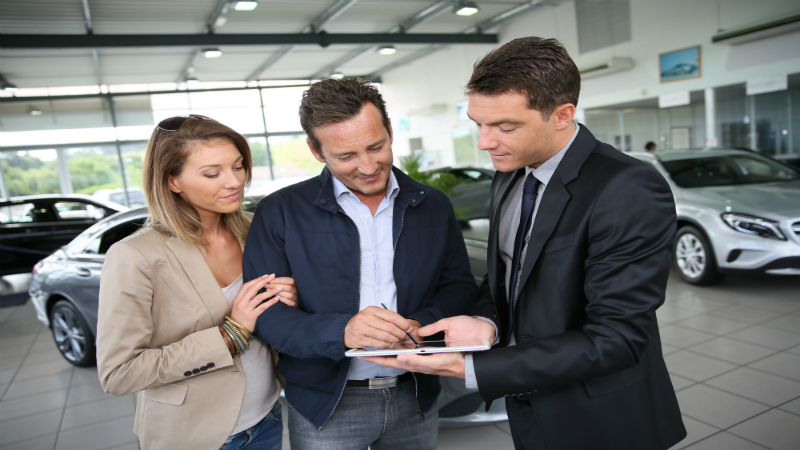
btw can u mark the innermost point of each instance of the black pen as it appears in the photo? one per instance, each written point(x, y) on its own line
point(409, 334)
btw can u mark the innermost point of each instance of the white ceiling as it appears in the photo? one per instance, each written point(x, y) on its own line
point(45, 67)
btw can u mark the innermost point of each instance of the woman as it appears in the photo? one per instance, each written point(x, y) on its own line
point(167, 291)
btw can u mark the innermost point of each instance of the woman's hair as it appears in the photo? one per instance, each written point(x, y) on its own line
point(167, 152)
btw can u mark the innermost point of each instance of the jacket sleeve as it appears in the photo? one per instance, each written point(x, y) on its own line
point(290, 330)
point(456, 290)
point(631, 230)
point(125, 360)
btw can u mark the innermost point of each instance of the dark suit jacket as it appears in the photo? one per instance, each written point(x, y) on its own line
point(587, 351)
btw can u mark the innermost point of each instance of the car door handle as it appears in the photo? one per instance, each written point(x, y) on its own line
point(84, 272)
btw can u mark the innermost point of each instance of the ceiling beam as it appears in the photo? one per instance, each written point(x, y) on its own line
point(322, 39)
point(315, 26)
point(476, 30)
point(406, 25)
point(87, 15)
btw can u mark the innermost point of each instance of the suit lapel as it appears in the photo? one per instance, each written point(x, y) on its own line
point(203, 280)
point(555, 198)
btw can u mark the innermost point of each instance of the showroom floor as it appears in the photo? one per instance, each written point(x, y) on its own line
point(733, 351)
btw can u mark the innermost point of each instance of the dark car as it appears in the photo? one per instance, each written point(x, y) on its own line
point(65, 288)
point(470, 197)
point(35, 226)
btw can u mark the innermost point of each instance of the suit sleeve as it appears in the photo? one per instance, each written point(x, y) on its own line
point(290, 330)
point(631, 230)
point(125, 361)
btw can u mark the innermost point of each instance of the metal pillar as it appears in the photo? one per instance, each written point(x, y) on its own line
point(266, 135)
point(622, 147)
point(64, 180)
point(3, 188)
point(119, 150)
point(711, 118)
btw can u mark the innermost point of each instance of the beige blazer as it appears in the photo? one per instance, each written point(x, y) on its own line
point(157, 334)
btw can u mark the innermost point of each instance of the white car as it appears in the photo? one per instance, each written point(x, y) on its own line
point(738, 211)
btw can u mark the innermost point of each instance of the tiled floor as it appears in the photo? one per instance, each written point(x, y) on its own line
point(733, 351)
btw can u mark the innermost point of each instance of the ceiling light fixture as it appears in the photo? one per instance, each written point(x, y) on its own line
point(246, 5)
point(387, 50)
point(465, 8)
point(221, 20)
point(212, 52)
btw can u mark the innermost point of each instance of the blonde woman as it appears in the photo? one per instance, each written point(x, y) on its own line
point(174, 317)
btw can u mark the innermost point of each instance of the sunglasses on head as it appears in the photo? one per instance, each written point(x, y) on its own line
point(174, 123)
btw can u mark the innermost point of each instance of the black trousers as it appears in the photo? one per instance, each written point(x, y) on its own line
point(525, 429)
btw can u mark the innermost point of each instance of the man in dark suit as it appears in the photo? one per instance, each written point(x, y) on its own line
point(580, 240)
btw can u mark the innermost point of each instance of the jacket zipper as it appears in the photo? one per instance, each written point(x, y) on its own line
point(416, 387)
point(349, 360)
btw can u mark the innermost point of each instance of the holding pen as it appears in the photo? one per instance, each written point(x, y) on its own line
point(409, 334)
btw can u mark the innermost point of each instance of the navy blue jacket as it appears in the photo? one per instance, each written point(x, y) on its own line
point(302, 231)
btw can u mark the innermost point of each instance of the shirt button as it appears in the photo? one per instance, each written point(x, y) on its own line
point(366, 216)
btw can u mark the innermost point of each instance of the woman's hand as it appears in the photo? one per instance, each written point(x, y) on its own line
point(247, 305)
point(288, 294)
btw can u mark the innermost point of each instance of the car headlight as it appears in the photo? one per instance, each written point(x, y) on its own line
point(754, 225)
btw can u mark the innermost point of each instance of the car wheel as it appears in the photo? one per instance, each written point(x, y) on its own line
point(73, 337)
point(694, 258)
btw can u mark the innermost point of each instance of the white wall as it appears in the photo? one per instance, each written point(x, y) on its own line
point(657, 26)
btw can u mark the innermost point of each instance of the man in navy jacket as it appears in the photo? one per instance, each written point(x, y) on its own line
point(359, 236)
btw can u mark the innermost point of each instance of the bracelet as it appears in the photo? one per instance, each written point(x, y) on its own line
point(228, 342)
point(232, 337)
point(235, 337)
point(239, 334)
point(241, 328)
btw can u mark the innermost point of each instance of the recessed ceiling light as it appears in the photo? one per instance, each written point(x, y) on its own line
point(465, 8)
point(387, 50)
point(212, 53)
point(221, 20)
point(246, 5)
point(36, 112)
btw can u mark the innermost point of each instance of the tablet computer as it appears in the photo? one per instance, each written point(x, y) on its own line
point(424, 348)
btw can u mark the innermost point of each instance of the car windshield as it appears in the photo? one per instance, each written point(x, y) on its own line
point(727, 170)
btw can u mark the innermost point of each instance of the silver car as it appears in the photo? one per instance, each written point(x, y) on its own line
point(738, 211)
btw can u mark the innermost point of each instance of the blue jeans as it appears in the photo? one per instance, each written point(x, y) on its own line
point(265, 435)
point(381, 419)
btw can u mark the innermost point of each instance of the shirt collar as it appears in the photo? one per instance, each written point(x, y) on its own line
point(544, 172)
point(392, 188)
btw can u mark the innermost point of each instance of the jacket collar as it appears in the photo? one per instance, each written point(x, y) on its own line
point(194, 264)
point(411, 193)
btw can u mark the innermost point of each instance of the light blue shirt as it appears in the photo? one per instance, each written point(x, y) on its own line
point(377, 261)
point(509, 220)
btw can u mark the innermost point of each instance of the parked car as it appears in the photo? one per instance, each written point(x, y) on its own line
point(135, 196)
point(738, 211)
point(65, 289)
point(32, 227)
point(470, 197)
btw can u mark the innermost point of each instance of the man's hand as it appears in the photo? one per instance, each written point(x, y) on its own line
point(461, 327)
point(444, 364)
point(376, 327)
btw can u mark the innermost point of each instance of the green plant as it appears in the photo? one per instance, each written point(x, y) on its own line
point(442, 181)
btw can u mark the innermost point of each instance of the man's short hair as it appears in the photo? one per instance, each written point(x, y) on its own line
point(537, 68)
point(650, 146)
point(336, 100)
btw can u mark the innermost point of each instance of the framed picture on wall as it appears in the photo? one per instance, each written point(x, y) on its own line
point(680, 64)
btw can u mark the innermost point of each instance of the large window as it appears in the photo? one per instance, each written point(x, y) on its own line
point(30, 172)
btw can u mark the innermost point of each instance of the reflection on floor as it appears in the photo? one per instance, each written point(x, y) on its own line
point(733, 351)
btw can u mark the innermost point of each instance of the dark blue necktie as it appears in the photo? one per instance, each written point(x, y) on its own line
point(529, 192)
